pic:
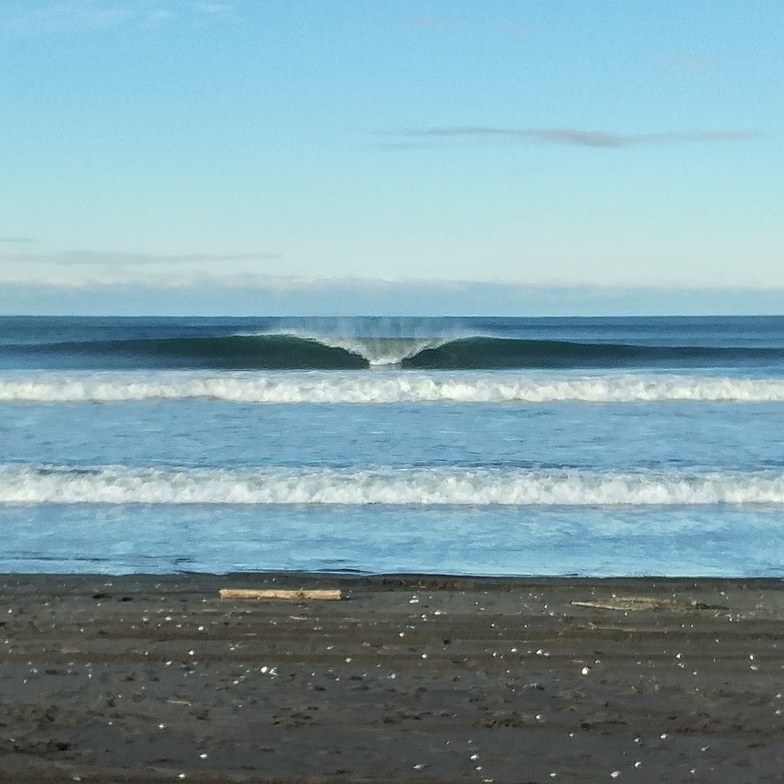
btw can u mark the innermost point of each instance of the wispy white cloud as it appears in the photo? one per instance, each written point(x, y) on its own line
point(91, 258)
point(690, 63)
point(83, 269)
point(444, 24)
point(29, 18)
point(279, 295)
point(212, 8)
point(120, 277)
point(575, 137)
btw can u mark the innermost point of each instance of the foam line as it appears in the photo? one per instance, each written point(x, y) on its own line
point(384, 388)
point(394, 487)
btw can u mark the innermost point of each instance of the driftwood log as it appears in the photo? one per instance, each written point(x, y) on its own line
point(318, 595)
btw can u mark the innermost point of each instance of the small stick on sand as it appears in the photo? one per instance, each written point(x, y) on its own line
point(319, 595)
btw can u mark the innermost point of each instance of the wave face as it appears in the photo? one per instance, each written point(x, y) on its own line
point(373, 389)
point(508, 353)
point(422, 344)
point(401, 487)
point(293, 352)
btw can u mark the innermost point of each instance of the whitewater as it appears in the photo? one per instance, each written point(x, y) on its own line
point(342, 388)
point(430, 487)
point(455, 445)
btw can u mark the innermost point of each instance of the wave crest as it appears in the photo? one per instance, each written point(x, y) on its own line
point(376, 389)
point(269, 351)
point(401, 487)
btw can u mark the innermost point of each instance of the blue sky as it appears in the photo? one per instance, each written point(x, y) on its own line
point(312, 156)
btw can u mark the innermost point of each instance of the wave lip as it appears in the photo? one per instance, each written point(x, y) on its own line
point(379, 486)
point(377, 351)
point(372, 389)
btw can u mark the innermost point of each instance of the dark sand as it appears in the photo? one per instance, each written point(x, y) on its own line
point(137, 679)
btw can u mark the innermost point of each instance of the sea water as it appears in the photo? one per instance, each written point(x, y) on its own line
point(462, 446)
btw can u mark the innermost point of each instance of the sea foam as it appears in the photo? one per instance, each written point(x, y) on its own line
point(394, 487)
point(384, 387)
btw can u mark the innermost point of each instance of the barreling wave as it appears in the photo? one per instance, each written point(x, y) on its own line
point(387, 388)
point(393, 487)
point(317, 352)
point(375, 351)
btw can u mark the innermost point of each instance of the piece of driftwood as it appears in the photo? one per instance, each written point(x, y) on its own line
point(316, 594)
point(634, 603)
point(639, 603)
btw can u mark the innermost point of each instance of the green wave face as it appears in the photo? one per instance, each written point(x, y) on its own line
point(286, 351)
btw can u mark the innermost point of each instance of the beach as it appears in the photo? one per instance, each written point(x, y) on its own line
point(405, 678)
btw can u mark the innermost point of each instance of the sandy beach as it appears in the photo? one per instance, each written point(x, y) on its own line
point(431, 679)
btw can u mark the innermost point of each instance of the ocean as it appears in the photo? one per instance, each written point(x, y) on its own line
point(481, 446)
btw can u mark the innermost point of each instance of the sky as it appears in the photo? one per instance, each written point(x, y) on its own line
point(515, 157)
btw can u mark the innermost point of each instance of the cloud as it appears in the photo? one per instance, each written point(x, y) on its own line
point(690, 63)
point(100, 258)
point(90, 258)
point(212, 8)
point(67, 16)
point(574, 137)
point(438, 24)
point(25, 18)
point(84, 269)
point(283, 296)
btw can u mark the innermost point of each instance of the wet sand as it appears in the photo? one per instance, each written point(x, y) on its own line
point(414, 679)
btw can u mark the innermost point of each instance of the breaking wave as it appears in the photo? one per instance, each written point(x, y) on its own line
point(288, 351)
point(394, 487)
point(385, 388)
